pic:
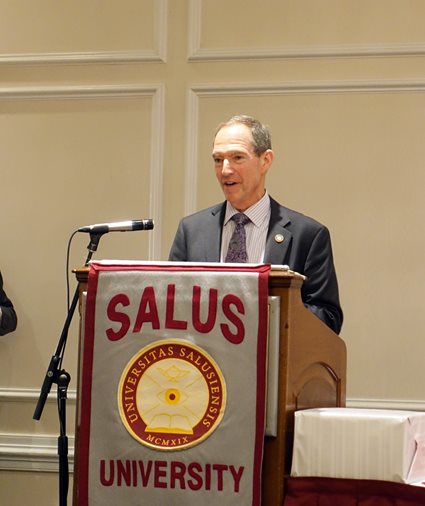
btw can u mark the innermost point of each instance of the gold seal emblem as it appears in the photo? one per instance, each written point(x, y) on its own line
point(171, 395)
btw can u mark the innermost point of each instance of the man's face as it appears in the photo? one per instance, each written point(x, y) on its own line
point(240, 172)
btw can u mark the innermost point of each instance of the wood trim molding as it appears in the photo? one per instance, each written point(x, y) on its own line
point(31, 395)
point(311, 87)
point(304, 52)
point(395, 404)
point(29, 452)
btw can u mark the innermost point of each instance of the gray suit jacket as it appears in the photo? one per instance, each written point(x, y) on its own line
point(306, 249)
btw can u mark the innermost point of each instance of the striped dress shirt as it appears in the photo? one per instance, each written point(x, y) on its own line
point(256, 229)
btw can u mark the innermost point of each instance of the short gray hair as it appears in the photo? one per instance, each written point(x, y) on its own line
point(261, 138)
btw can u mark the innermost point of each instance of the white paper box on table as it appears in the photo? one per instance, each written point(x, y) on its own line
point(373, 444)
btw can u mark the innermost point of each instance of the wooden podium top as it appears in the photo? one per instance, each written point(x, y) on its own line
point(278, 276)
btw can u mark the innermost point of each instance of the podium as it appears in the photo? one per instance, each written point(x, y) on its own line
point(312, 373)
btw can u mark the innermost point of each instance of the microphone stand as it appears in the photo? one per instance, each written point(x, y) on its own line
point(55, 374)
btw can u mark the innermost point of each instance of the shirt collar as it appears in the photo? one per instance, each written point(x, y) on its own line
point(256, 213)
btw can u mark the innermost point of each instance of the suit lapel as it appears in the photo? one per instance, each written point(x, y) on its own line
point(212, 234)
point(278, 237)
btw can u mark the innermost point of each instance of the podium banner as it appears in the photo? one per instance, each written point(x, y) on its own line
point(172, 385)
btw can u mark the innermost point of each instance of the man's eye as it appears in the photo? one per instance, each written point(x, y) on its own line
point(218, 160)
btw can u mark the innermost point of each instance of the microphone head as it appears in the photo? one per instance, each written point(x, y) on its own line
point(143, 224)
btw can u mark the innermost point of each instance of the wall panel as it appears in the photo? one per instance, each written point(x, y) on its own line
point(305, 28)
point(78, 31)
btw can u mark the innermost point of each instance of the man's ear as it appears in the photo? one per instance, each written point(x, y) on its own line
point(268, 157)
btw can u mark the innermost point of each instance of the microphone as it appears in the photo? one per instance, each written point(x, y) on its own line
point(118, 226)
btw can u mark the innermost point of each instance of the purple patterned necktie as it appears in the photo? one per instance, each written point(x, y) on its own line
point(237, 245)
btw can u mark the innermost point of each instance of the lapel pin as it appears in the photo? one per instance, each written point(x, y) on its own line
point(279, 238)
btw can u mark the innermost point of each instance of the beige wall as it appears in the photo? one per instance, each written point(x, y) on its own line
point(107, 111)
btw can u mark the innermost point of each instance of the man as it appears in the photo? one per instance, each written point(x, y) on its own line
point(8, 318)
point(274, 234)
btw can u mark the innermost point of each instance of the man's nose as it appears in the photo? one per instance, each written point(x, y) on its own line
point(227, 166)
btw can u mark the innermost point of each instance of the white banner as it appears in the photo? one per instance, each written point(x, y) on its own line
point(172, 389)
